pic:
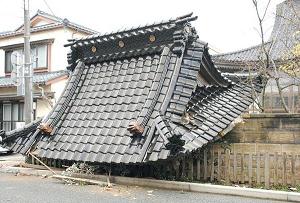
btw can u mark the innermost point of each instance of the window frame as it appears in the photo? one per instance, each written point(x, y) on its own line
point(46, 57)
point(11, 48)
point(12, 122)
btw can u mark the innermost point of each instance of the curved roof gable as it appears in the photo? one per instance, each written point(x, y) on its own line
point(131, 93)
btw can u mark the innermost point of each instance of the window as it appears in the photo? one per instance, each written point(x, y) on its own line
point(39, 57)
point(12, 113)
point(10, 61)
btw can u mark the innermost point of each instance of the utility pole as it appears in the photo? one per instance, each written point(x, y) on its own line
point(28, 110)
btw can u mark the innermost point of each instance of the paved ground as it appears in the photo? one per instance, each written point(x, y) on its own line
point(10, 160)
point(31, 189)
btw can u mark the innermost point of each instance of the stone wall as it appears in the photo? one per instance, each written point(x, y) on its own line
point(265, 132)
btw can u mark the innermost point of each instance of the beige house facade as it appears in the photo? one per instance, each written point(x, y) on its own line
point(49, 34)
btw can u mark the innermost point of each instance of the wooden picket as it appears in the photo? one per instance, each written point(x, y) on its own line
point(227, 167)
point(263, 169)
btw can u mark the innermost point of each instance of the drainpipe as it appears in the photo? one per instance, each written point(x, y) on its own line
point(44, 95)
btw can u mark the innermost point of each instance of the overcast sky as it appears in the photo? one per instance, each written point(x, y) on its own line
point(226, 25)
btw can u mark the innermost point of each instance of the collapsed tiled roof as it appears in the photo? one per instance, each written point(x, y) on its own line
point(135, 96)
point(284, 37)
point(37, 78)
point(58, 22)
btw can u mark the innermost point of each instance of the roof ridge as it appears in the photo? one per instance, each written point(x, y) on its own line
point(241, 50)
point(40, 12)
point(65, 21)
point(179, 20)
point(59, 20)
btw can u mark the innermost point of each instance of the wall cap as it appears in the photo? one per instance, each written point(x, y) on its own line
point(271, 115)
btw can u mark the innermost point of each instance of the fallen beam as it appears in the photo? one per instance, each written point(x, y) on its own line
point(81, 180)
point(39, 167)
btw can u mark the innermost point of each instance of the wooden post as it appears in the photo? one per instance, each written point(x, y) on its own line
point(191, 167)
point(219, 165)
point(205, 165)
point(242, 169)
point(55, 163)
point(59, 163)
point(250, 169)
point(176, 168)
point(163, 169)
point(32, 159)
point(212, 174)
point(284, 168)
point(227, 166)
point(183, 167)
point(234, 167)
point(198, 169)
point(42, 163)
point(293, 170)
point(296, 164)
point(267, 170)
point(258, 168)
point(276, 168)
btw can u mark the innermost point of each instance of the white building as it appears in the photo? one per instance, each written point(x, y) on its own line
point(49, 60)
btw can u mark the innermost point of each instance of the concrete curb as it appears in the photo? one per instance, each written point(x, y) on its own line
point(204, 188)
point(173, 185)
point(27, 171)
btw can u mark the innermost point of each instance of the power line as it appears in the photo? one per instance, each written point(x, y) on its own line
point(48, 7)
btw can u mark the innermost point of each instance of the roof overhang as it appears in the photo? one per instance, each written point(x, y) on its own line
point(15, 97)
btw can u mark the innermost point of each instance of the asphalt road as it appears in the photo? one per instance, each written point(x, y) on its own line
point(25, 189)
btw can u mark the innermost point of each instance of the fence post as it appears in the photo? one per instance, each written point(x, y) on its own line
point(183, 167)
point(284, 168)
point(242, 169)
point(198, 169)
point(276, 168)
point(227, 166)
point(205, 164)
point(267, 170)
point(258, 168)
point(191, 167)
point(212, 174)
point(234, 167)
point(293, 170)
point(219, 165)
point(250, 169)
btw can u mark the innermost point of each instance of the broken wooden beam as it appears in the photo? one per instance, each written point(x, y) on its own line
point(81, 180)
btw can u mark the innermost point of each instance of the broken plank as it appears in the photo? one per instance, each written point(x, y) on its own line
point(84, 180)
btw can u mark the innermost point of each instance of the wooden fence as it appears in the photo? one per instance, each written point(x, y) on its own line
point(253, 169)
point(218, 165)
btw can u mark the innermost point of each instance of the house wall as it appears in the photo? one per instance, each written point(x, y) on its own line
point(58, 51)
point(42, 105)
point(8, 91)
point(42, 108)
point(58, 88)
point(58, 61)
